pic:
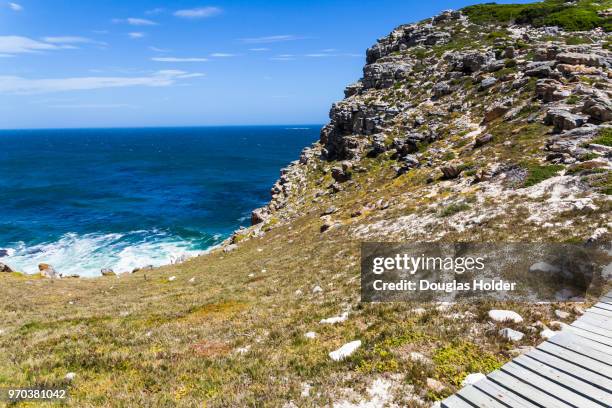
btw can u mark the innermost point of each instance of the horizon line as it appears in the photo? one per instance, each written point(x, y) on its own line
point(161, 126)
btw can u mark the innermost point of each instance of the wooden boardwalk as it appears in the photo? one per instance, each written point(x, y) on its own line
point(572, 369)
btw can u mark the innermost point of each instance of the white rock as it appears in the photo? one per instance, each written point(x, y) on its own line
point(547, 334)
point(70, 376)
point(251, 275)
point(473, 379)
point(310, 335)
point(335, 319)
point(505, 315)
point(230, 248)
point(298, 292)
point(259, 249)
point(418, 311)
point(172, 279)
point(317, 289)
point(264, 270)
point(345, 351)
point(415, 356)
point(192, 280)
point(512, 335)
point(543, 267)
point(435, 385)
point(243, 350)
point(305, 390)
point(562, 314)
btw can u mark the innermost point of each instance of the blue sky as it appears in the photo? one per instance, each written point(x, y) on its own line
point(112, 63)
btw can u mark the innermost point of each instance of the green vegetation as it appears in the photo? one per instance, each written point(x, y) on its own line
point(604, 137)
point(537, 173)
point(453, 209)
point(579, 17)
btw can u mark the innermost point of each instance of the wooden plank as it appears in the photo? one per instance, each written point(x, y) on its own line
point(606, 299)
point(527, 391)
point(455, 402)
point(479, 398)
point(546, 384)
point(587, 349)
point(603, 306)
point(574, 357)
point(588, 335)
point(503, 394)
point(598, 311)
point(597, 320)
point(571, 368)
point(583, 324)
point(577, 386)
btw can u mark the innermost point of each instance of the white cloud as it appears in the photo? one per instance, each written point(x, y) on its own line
point(259, 49)
point(319, 55)
point(135, 21)
point(200, 12)
point(72, 40)
point(136, 35)
point(175, 59)
point(15, 44)
point(222, 55)
point(157, 10)
point(15, 6)
point(283, 57)
point(93, 106)
point(20, 85)
point(157, 49)
point(271, 39)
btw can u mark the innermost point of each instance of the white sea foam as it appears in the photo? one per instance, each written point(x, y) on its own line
point(85, 255)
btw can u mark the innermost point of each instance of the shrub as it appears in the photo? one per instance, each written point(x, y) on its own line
point(604, 138)
point(573, 17)
point(537, 174)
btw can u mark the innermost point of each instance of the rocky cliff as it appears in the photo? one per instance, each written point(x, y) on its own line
point(458, 129)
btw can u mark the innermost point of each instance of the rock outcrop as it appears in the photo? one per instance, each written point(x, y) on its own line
point(479, 123)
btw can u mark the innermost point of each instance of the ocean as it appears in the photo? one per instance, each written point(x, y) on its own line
point(86, 199)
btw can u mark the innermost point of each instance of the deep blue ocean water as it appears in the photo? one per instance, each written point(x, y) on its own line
point(86, 199)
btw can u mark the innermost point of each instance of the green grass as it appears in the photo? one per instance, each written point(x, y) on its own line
point(579, 17)
point(604, 137)
point(537, 173)
point(452, 209)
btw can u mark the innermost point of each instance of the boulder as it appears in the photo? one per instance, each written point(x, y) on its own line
point(230, 248)
point(550, 90)
point(259, 215)
point(5, 268)
point(598, 108)
point(450, 172)
point(487, 83)
point(345, 351)
point(472, 378)
point(512, 335)
point(562, 120)
point(441, 89)
point(482, 140)
point(497, 110)
point(143, 268)
point(574, 58)
point(107, 272)
point(476, 61)
point(505, 315)
point(47, 271)
point(539, 69)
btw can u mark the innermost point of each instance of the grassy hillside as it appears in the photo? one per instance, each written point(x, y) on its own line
point(457, 132)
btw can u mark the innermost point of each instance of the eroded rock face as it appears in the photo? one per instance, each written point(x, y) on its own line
point(47, 271)
point(5, 268)
point(444, 106)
